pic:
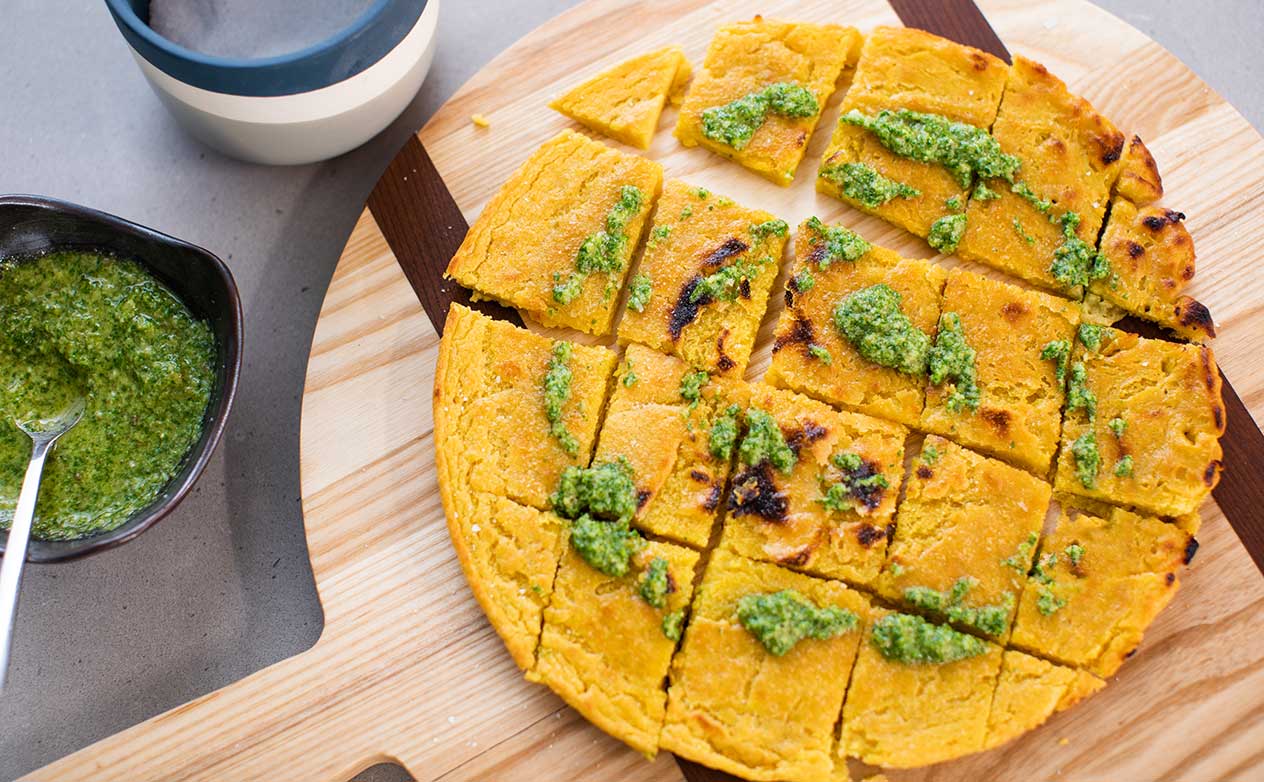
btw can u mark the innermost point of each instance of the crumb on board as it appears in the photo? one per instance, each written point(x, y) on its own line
point(479, 121)
point(1062, 742)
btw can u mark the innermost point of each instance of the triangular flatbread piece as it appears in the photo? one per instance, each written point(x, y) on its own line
point(625, 101)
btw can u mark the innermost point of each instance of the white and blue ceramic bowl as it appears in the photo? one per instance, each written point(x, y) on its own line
point(309, 105)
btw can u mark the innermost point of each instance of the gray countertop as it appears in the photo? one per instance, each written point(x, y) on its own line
point(223, 587)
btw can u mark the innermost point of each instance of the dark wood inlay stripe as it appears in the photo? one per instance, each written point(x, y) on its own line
point(424, 227)
point(956, 20)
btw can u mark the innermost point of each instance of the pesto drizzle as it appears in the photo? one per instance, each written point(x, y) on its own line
point(764, 442)
point(1047, 601)
point(952, 359)
point(946, 232)
point(1059, 352)
point(656, 583)
point(837, 244)
point(734, 124)
point(966, 151)
point(865, 185)
point(603, 250)
point(726, 284)
point(972, 154)
point(639, 291)
point(912, 640)
point(780, 620)
point(1088, 461)
point(600, 502)
point(724, 433)
point(871, 319)
point(990, 619)
point(557, 390)
point(858, 484)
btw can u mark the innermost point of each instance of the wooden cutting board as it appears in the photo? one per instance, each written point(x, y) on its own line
point(407, 670)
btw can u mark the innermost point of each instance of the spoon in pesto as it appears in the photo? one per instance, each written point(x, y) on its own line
point(43, 432)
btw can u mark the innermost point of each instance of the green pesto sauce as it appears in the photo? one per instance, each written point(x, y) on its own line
point(914, 641)
point(839, 244)
point(600, 501)
point(872, 321)
point(954, 203)
point(725, 284)
point(1093, 336)
point(761, 231)
point(656, 583)
point(854, 484)
point(629, 374)
point(1079, 395)
point(764, 442)
point(1088, 461)
point(605, 491)
point(1021, 559)
point(821, 354)
point(1075, 553)
point(863, 184)
point(1059, 352)
point(691, 386)
point(970, 153)
point(724, 433)
point(779, 620)
point(639, 291)
point(1022, 232)
point(735, 123)
point(1047, 601)
point(603, 250)
point(952, 359)
point(81, 323)
point(804, 281)
point(966, 151)
point(1075, 261)
point(990, 619)
point(984, 193)
point(946, 232)
point(608, 546)
point(557, 390)
point(1123, 467)
point(1023, 191)
point(930, 454)
point(673, 624)
point(1117, 427)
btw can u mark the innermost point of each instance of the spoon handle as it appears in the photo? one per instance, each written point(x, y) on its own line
point(15, 551)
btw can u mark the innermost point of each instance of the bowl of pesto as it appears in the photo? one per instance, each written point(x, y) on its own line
point(147, 329)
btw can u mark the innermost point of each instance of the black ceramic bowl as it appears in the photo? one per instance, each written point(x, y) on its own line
point(30, 225)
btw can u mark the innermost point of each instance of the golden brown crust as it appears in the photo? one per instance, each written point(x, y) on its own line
point(1169, 397)
point(1020, 398)
point(849, 380)
point(1090, 611)
point(736, 707)
point(1070, 156)
point(528, 236)
point(1139, 179)
point(906, 68)
point(625, 101)
point(746, 57)
point(697, 234)
point(1151, 256)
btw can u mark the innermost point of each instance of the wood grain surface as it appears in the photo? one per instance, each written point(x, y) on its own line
point(407, 669)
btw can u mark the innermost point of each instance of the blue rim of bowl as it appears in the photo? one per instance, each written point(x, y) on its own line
point(349, 52)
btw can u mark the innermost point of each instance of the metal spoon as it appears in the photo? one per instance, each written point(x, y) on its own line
point(43, 434)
